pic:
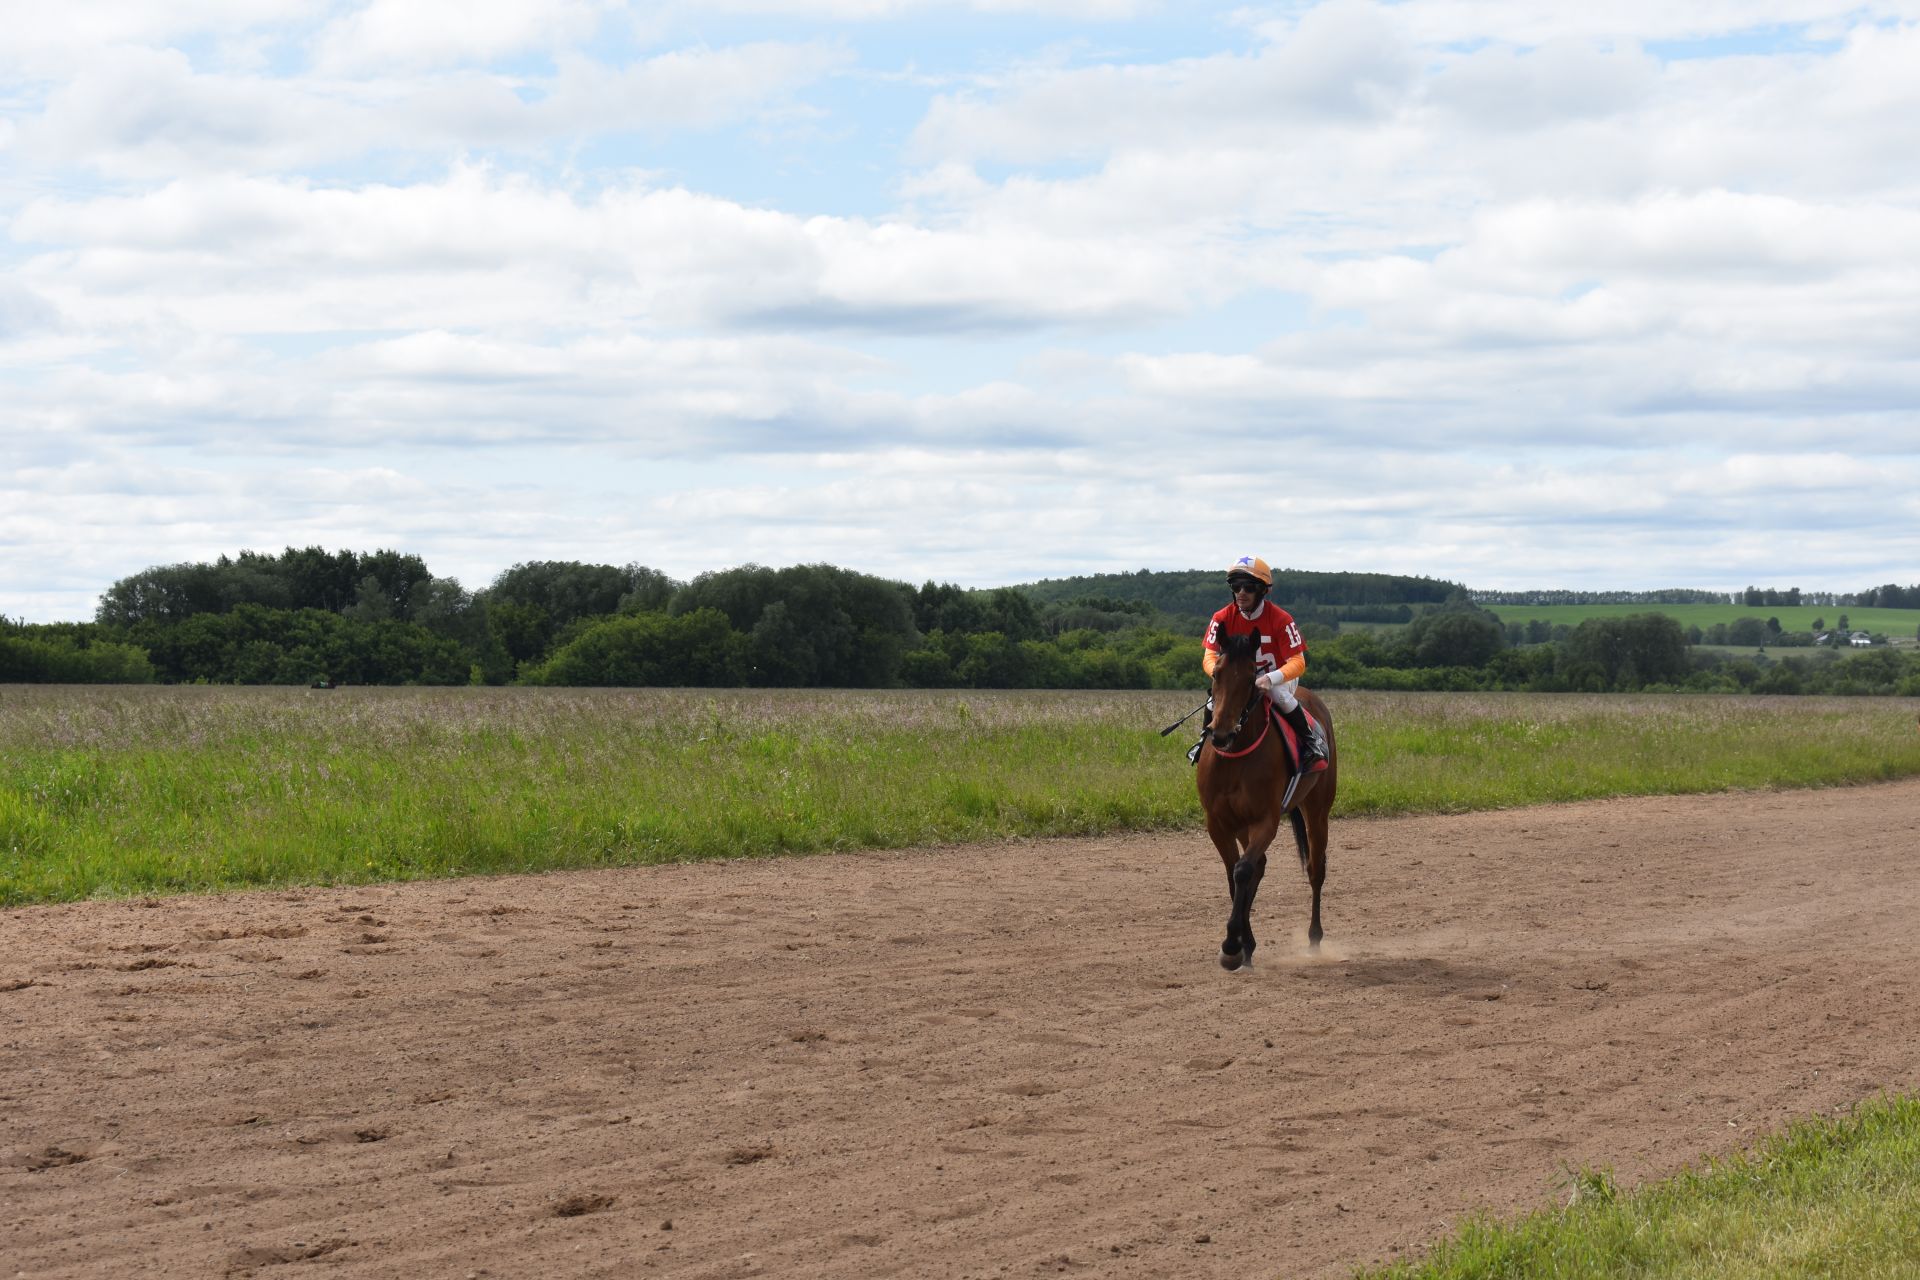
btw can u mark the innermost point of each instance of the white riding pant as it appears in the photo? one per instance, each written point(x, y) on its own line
point(1281, 691)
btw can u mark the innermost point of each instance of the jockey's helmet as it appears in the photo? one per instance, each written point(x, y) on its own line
point(1250, 567)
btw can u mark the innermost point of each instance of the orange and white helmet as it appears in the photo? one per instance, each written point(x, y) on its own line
point(1252, 567)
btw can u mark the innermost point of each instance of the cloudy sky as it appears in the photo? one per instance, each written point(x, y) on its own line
point(1517, 294)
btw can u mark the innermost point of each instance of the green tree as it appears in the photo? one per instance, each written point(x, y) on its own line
point(392, 575)
point(253, 644)
point(164, 593)
point(1010, 611)
point(567, 589)
point(927, 667)
point(371, 602)
point(57, 655)
point(520, 630)
point(304, 578)
point(1452, 637)
point(647, 590)
point(700, 649)
point(833, 627)
point(446, 608)
point(1626, 653)
point(319, 579)
point(993, 662)
point(945, 607)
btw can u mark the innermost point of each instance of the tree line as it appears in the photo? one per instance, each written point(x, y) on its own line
point(1664, 595)
point(1319, 597)
point(1889, 596)
point(1467, 649)
point(308, 615)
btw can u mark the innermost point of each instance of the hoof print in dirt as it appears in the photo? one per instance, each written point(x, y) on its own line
point(54, 1158)
point(750, 1155)
point(268, 1256)
point(576, 1206)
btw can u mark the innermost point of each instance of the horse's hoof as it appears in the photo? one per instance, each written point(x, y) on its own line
point(1229, 960)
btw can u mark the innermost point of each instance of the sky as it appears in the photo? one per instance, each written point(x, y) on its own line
point(1514, 294)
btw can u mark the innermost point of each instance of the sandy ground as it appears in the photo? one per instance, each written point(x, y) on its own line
point(1010, 1060)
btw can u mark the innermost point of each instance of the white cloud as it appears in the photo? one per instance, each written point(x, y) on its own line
point(1466, 130)
point(1523, 22)
point(251, 255)
point(872, 10)
point(150, 113)
point(23, 312)
point(693, 88)
point(54, 39)
point(1345, 65)
point(1500, 88)
point(412, 34)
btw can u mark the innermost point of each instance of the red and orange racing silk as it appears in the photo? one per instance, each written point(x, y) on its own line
point(1281, 648)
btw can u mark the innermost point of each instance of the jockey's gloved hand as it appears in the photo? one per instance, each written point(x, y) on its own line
point(1266, 680)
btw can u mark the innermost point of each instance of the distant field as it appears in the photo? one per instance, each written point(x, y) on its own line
point(1902, 623)
point(111, 790)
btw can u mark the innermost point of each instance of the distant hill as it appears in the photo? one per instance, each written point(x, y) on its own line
point(1201, 591)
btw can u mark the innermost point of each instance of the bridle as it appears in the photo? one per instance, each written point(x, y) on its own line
point(1253, 695)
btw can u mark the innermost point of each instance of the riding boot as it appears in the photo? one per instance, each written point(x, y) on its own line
point(1313, 748)
point(1206, 723)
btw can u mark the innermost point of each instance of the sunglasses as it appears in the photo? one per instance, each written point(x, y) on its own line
point(1241, 584)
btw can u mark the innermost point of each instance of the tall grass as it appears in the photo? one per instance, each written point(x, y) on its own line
point(1834, 1198)
point(125, 790)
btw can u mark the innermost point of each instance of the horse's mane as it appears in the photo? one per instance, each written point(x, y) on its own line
point(1240, 648)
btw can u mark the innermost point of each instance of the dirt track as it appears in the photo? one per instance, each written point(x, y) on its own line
point(1012, 1060)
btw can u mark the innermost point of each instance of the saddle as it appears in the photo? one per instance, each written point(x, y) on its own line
point(1292, 740)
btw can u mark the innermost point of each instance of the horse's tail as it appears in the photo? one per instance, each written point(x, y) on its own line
point(1299, 821)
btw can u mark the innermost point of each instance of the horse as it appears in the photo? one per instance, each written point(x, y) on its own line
point(1246, 782)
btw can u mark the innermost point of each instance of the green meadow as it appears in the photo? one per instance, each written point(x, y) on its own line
point(1894, 623)
point(119, 790)
point(1833, 1197)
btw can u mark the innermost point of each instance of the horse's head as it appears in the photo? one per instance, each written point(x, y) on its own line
point(1233, 687)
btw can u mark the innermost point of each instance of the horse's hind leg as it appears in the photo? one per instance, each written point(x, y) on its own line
point(1313, 856)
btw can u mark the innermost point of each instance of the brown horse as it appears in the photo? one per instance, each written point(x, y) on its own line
point(1244, 776)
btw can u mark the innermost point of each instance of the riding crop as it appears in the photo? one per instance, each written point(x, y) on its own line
point(1183, 719)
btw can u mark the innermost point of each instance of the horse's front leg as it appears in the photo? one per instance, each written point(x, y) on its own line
point(1245, 877)
point(1227, 841)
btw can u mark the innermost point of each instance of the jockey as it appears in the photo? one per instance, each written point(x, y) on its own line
point(1282, 654)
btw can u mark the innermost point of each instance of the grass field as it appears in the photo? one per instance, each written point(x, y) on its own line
point(1834, 1197)
point(116, 790)
point(1901, 623)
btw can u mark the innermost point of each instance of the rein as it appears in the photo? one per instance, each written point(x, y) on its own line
point(1265, 729)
